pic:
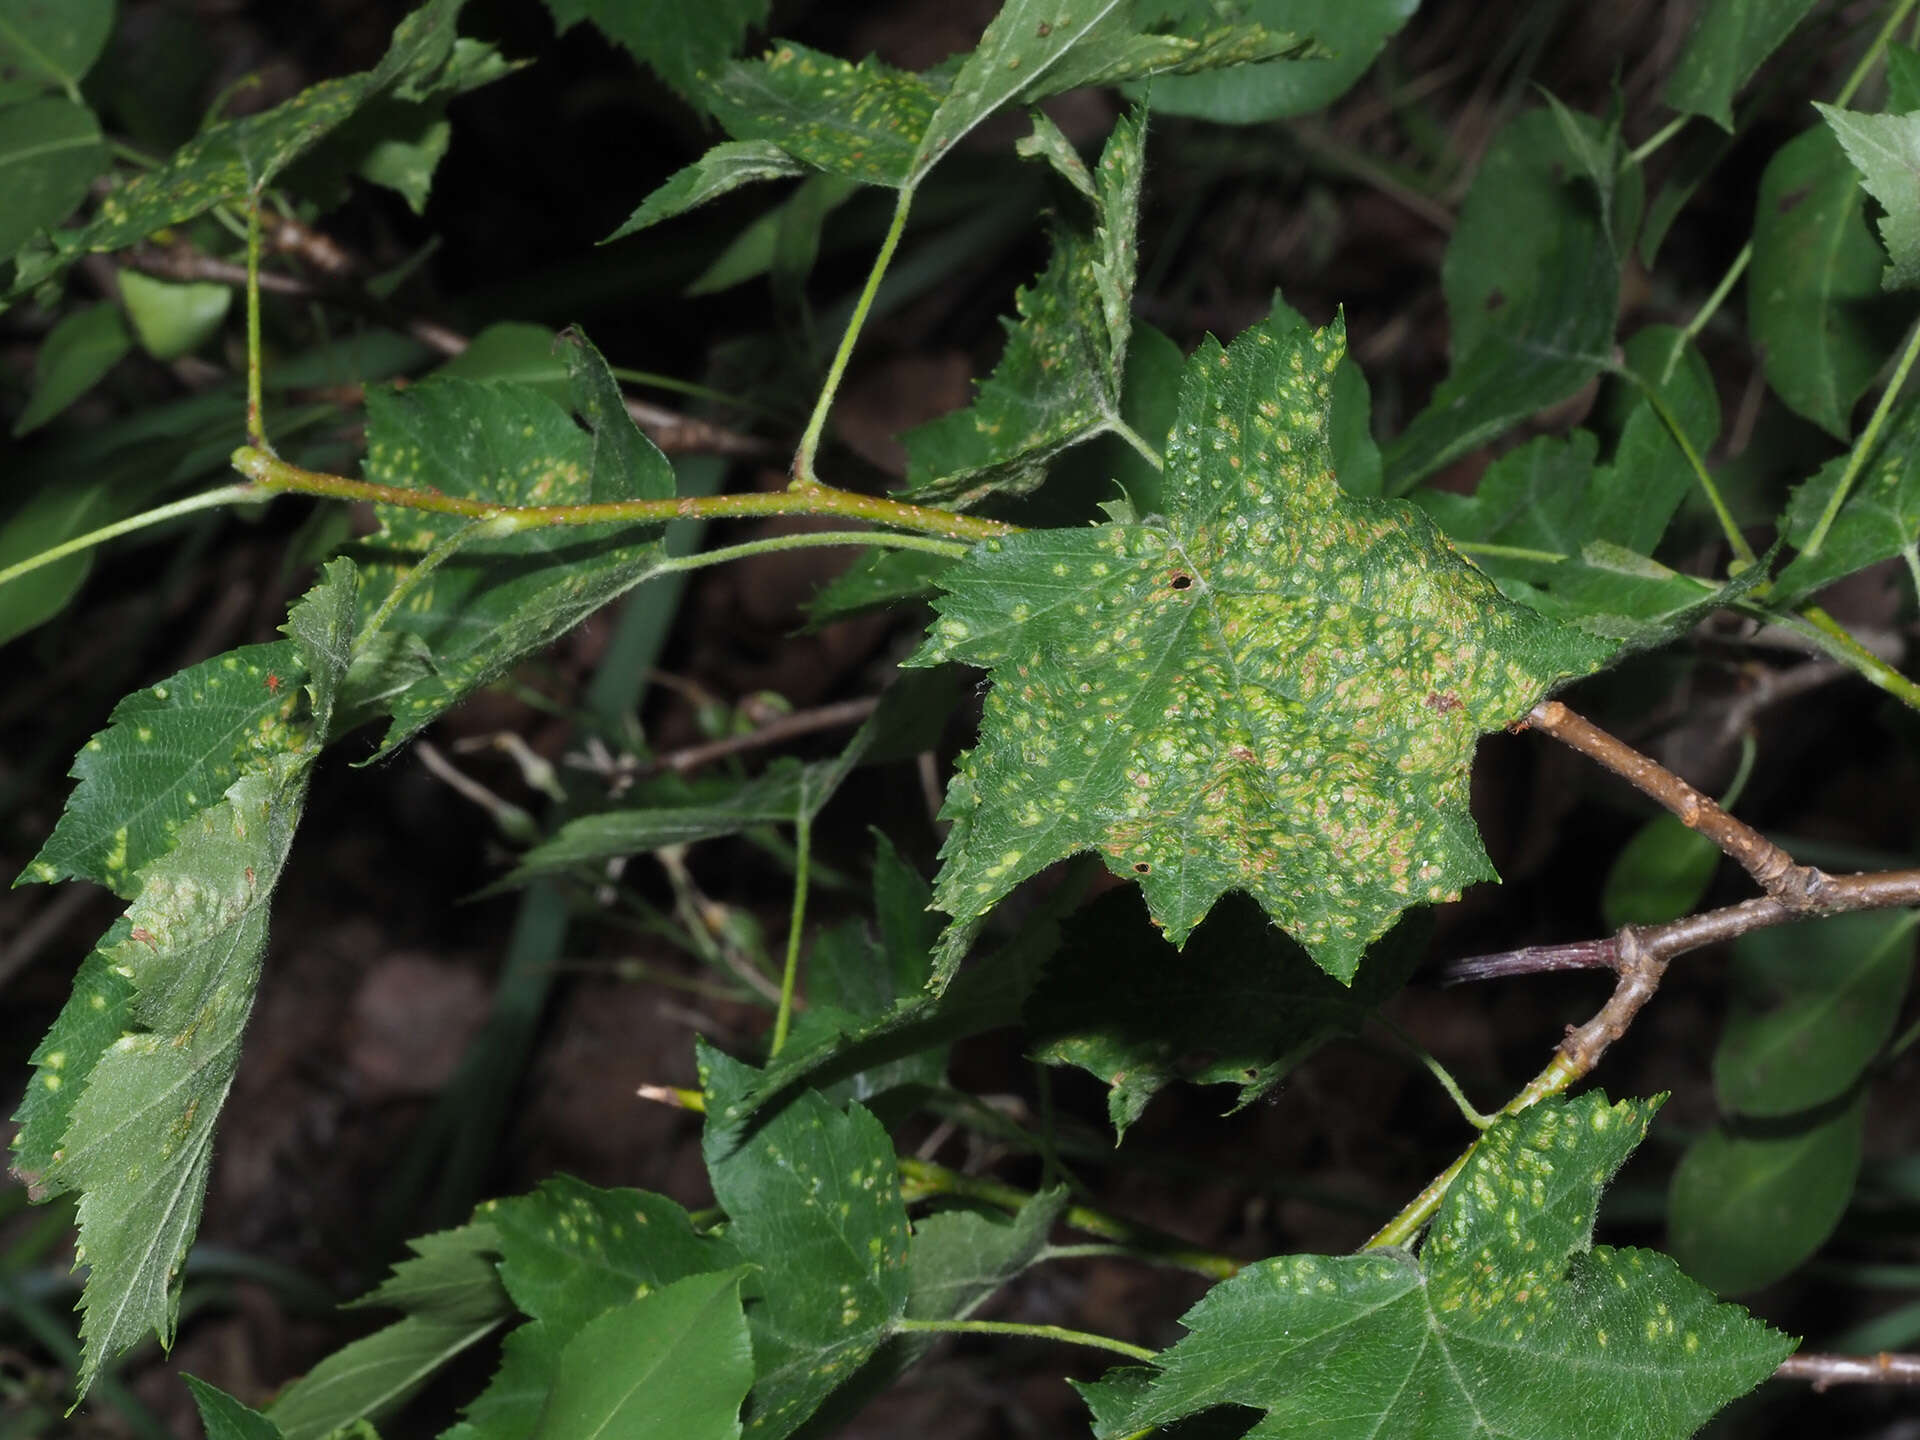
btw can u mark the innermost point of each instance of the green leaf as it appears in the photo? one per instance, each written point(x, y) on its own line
point(453, 1299)
point(498, 599)
point(1060, 378)
point(97, 1013)
point(166, 755)
point(1811, 1005)
point(141, 1135)
point(722, 170)
point(1813, 297)
point(50, 152)
point(1903, 78)
point(681, 42)
point(1243, 1007)
point(1728, 43)
point(1025, 40)
point(1879, 519)
point(672, 1365)
point(1746, 1208)
point(1349, 32)
point(1532, 286)
point(226, 1418)
point(956, 1261)
point(812, 1198)
point(1510, 1321)
point(878, 578)
point(861, 120)
point(1277, 688)
point(569, 1254)
point(517, 353)
point(1192, 43)
point(75, 356)
point(50, 45)
point(51, 515)
point(1885, 149)
point(171, 319)
point(235, 157)
point(1659, 875)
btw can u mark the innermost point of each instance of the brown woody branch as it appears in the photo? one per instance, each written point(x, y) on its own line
point(787, 727)
point(670, 430)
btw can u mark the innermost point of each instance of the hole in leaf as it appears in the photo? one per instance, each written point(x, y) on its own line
point(1141, 867)
point(1181, 581)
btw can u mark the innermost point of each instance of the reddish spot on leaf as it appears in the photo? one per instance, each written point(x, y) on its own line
point(1496, 298)
point(143, 935)
point(1791, 200)
point(1445, 704)
point(273, 684)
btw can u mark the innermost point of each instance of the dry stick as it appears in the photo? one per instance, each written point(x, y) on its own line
point(1825, 1370)
point(787, 727)
point(671, 430)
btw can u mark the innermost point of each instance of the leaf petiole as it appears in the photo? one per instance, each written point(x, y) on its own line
point(1035, 1332)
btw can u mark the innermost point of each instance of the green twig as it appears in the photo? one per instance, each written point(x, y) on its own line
point(256, 414)
point(1505, 552)
point(1653, 142)
point(411, 576)
point(1439, 1072)
point(272, 473)
point(1707, 311)
point(1744, 557)
point(1831, 638)
point(817, 423)
point(206, 500)
point(1034, 1332)
point(1127, 433)
point(1895, 14)
point(1863, 447)
point(789, 974)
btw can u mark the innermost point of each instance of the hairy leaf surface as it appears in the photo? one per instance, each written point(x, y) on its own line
point(498, 599)
point(168, 752)
point(226, 1418)
point(1510, 1320)
point(813, 1198)
point(140, 1138)
point(1059, 380)
point(1275, 688)
point(682, 42)
point(1885, 149)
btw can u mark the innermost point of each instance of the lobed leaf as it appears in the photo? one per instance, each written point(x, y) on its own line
point(1885, 149)
point(812, 1198)
point(499, 599)
point(1060, 379)
point(1879, 520)
point(1729, 42)
point(1748, 1206)
point(1275, 688)
point(1510, 1320)
point(140, 1136)
point(1244, 1006)
point(1813, 298)
point(1192, 42)
point(1811, 1006)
